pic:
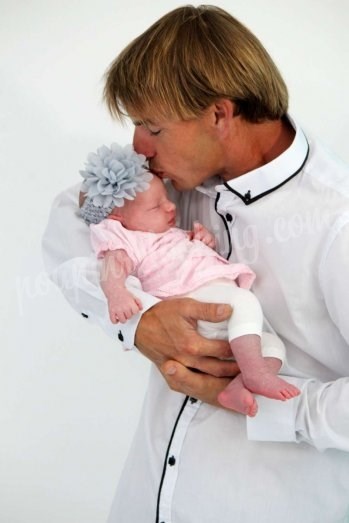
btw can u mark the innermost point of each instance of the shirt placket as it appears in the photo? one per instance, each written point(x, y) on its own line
point(172, 460)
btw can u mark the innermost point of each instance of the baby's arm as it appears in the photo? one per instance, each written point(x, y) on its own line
point(122, 304)
point(200, 233)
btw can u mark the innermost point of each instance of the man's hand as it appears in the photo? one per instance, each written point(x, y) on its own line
point(201, 386)
point(167, 335)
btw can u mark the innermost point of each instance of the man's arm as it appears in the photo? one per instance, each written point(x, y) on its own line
point(73, 267)
point(320, 415)
point(167, 331)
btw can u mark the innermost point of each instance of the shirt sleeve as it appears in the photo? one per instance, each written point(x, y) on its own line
point(72, 266)
point(320, 415)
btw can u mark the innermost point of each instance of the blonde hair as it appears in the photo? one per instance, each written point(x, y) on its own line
point(189, 59)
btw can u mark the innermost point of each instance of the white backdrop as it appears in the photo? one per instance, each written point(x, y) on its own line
point(69, 396)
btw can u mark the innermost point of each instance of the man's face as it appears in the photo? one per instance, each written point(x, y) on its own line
point(186, 152)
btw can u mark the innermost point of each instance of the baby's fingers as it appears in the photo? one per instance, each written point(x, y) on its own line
point(138, 305)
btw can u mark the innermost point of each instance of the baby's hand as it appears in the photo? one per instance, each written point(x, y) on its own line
point(202, 234)
point(123, 305)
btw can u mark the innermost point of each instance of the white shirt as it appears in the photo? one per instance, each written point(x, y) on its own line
point(193, 463)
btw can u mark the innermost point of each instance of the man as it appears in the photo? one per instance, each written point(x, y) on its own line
point(210, 110)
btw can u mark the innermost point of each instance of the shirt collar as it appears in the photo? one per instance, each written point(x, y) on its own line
point(258, 183)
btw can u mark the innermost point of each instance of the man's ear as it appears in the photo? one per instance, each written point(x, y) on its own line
point(223, 112)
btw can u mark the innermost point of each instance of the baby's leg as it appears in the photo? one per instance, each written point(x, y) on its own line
point(247, 317)
point(244, 329)
point(238, 396)
point(259, 374)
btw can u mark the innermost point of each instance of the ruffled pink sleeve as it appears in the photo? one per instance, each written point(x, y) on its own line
point(110, 235)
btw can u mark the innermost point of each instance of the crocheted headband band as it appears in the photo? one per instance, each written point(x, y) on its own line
point(111, 176)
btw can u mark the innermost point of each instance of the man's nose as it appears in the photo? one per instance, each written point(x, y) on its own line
point(142, 142)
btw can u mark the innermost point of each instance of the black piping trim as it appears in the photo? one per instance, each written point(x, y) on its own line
point(248, 200)
point(166, 458)
point(225, 225)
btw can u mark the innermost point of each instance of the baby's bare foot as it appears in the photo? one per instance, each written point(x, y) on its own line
point(269, 385)
point(236, 397)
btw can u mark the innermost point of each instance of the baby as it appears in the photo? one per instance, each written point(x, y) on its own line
point(133, 228)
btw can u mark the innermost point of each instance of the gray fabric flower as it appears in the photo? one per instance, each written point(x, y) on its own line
point(112, 175)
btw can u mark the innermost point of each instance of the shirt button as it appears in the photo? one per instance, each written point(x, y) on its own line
point(192, 400)
point(120, 336)
point(84, 315)
point(172, 461)
point(248, 196)
point(229, 217)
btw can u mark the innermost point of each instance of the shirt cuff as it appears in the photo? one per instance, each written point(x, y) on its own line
point(275, 420)
point(127, 331)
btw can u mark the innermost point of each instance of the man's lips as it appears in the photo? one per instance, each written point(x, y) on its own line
point(158, 173)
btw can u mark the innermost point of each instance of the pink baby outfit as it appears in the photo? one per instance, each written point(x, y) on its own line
point(168, 263)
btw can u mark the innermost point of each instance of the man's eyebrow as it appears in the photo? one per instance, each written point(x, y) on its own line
point(145, 122)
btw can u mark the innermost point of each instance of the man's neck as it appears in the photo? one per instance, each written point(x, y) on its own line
point(255, 145)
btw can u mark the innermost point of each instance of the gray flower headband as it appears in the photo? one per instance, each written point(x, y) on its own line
point(111, 176)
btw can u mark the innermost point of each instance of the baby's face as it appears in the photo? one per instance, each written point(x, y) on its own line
point(150, 211)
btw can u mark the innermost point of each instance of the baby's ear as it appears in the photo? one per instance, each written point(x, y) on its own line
point(115, 214)
point(82, 198)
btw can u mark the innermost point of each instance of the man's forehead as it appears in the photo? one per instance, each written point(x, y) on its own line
point(150, 115)
point(143, 121)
